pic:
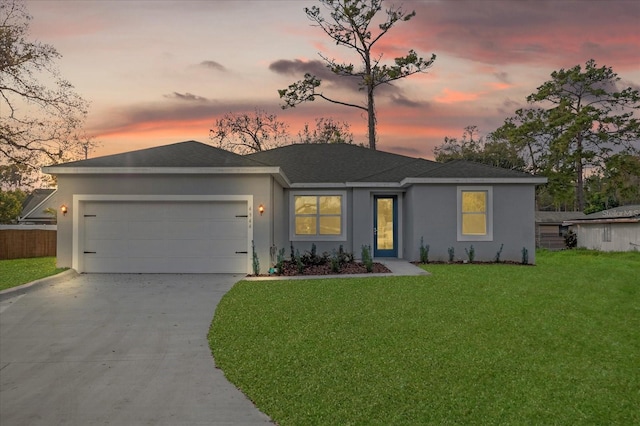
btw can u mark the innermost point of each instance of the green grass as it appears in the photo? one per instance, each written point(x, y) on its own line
point(15, 272)
point(557, 343)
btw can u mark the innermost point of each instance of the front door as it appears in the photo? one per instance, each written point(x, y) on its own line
point(385, 226)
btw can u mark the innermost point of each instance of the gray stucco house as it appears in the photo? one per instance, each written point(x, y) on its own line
point(190, 207)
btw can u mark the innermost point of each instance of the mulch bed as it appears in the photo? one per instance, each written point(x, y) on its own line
point(290, 269)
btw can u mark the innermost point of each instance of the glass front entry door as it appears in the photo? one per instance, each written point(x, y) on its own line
point(385, 226)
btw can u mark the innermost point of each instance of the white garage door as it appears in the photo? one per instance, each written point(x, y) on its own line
point(164, 237)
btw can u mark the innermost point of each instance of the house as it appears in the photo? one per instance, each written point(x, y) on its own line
point(34, 206)
point(616, 229)
point(190, 207)
point(551, 229)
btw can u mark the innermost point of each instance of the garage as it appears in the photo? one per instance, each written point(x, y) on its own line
point(127, 236)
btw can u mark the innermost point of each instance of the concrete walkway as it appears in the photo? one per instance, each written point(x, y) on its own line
point(398, 268)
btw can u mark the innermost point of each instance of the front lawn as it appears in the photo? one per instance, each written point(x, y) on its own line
point(556, 343)
point(15, 272)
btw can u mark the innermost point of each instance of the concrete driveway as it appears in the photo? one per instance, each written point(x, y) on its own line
point(116, 350)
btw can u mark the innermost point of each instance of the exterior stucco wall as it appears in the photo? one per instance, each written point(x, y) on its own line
point(259, 186)
point(623, 236)
point(431, 212)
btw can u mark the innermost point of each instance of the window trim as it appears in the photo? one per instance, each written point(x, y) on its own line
point(489, 213)
point(317, 237)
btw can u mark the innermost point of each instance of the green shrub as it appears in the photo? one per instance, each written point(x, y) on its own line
point(424, 251)
point(335, 262)
point(452, 254)
point(280, 259)
point(525, 256)
point(498, 254)
point(571, 240)
point(367, 259)
point(255, 261)
point(471, 253)
point(298, 262)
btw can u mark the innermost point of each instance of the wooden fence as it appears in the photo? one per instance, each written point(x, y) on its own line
point(21, 243)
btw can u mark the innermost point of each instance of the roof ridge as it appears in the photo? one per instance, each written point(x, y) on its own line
point(413, 161)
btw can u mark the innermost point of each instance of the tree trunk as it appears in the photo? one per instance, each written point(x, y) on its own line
point(371, 112)
point(579, 175)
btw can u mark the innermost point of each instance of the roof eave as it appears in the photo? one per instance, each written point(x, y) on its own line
point(533, 180)
point(55, 170)
point(600, 221)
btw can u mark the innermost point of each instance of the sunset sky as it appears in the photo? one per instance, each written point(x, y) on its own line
point(158, 72)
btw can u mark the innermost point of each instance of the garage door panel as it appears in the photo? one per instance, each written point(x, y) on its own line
point(105, 264)
point(228, 229)
point(166, 237)
point(188, 230)
point(226, 248)
point(107, 248)
point(147, 248)
point(106, 230)
point(147, 230)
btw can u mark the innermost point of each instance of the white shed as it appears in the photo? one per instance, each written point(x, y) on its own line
point(616, 229)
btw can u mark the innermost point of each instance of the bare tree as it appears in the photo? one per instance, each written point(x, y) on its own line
point(350, 26)
point(244, 133)
point(327, 130)
point(41, 116)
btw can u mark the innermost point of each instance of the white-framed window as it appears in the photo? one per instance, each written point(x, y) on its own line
point(475, 213)
point(318, 215)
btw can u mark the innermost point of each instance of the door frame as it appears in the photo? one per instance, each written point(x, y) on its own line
point(386, 253)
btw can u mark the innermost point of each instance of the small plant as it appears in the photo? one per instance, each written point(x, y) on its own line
point(280, 261)
point(471, 253)
point(525, 256)
point(343, 256)
point(367, 260)
point(335, 262)
point(255, 261)
point(293, 254)
point(498, 254)
point(570, 240)
point(424, 251)
point(298, 261)
point(452, 254)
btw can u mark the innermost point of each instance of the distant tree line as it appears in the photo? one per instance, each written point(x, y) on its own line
point(579, 131)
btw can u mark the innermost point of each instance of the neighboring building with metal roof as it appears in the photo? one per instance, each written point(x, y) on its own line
point(616, 229)
point(191, 207)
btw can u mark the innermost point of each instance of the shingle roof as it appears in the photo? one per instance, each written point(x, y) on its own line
point(316, 163)
point(557, 217)
point(181, 154)
point(331, 163)
point(301, 163)
point(468, 169)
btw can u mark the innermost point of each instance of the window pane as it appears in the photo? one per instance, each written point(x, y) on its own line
point(330, 204)
point(330, 225)
point(306, 205)
point(305, 225)
point(474, 224)
point(474, 201)
point(384, 231)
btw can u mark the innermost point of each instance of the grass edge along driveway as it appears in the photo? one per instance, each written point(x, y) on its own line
point(15, 272)
point(555, 343)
